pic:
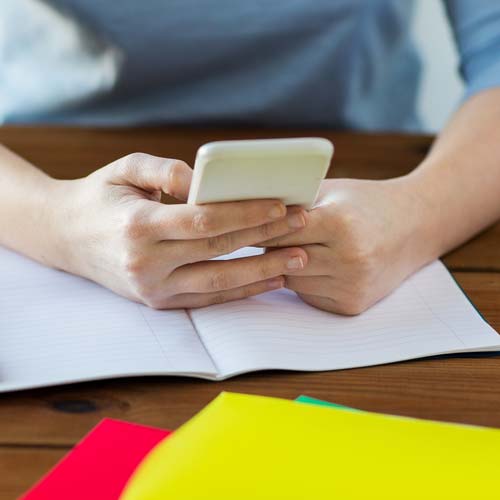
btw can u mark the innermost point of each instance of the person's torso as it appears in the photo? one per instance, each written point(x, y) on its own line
point(322, 63)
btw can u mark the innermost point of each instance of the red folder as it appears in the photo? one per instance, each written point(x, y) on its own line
point(99, 466)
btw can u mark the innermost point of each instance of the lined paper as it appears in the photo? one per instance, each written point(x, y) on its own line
point(427, 315)
point(57, 328)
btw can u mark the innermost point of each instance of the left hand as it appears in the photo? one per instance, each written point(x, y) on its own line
point(363, 238)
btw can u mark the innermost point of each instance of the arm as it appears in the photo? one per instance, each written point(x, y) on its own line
point(25, 194)
point(459, 181)
point(466, 156)
point(110, 227)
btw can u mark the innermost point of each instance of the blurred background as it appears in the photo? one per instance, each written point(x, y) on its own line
point(441, 88)
point(440, 91)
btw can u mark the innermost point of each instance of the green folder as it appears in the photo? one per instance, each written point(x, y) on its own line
point(313, 401)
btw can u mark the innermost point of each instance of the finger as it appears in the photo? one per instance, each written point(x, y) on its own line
point(190, 300)
point(187, 222)
point(322, 286)
point(214, 276)
point(320, 261)
point(152, 173)
point(314, 231)
point(190, 251)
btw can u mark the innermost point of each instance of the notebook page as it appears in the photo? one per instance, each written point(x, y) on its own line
point(57, 328)
point(427, 315)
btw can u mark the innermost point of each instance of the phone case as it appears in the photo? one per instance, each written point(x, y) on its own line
point(287, 169)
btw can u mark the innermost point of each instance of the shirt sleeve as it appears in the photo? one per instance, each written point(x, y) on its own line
point(476, 26)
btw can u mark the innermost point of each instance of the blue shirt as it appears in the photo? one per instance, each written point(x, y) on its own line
point(321, 63)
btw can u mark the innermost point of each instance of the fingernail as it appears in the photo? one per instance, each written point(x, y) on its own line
point(277, 211)
point(275, 283)
point(295, 263)
point(296, 221)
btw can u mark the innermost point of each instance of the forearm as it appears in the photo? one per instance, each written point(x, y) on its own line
point(459, 180)
point(26, 203)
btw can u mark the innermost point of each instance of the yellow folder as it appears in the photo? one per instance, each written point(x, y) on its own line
point(250, 447)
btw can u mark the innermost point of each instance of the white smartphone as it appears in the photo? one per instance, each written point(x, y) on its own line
point(290, 170)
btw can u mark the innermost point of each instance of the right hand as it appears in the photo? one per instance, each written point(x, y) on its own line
point(110, 227)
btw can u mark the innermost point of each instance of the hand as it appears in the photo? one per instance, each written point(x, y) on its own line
point(362, 239)
point(110, 227)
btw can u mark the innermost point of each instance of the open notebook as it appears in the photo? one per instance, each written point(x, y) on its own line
point(57, 328)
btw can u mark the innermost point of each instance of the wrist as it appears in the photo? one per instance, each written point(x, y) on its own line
point(421, 216)
point(54, 220)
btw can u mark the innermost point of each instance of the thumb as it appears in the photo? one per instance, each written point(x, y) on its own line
point(152, 173)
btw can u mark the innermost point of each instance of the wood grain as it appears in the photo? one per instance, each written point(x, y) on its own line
point(74, 152)
point(37, 427)
point(20, 468)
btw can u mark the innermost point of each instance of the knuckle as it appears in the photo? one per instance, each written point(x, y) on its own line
point(265, 231)
point(133, 225)
point(358, 250)
point(183, 223)
point(201, 224)
point(348, 227)
point(219, 245)
point(363, 257)
point(131, 163)
point(135, 159)
point(219, 281)
point(345, 219)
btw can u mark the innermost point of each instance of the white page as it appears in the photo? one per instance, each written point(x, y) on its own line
point(427, 315)
point(57, 328)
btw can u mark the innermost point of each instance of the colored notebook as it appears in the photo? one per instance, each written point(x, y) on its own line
point(100, 465)
point(58, 328)
point(252, 447)
point(320, 402)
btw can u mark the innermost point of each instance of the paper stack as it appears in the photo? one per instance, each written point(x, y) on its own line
point(252, 447)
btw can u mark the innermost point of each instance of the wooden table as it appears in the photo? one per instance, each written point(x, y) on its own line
point(37, 427)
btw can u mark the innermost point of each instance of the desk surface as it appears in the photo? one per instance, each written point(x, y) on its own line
point(37, 427)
